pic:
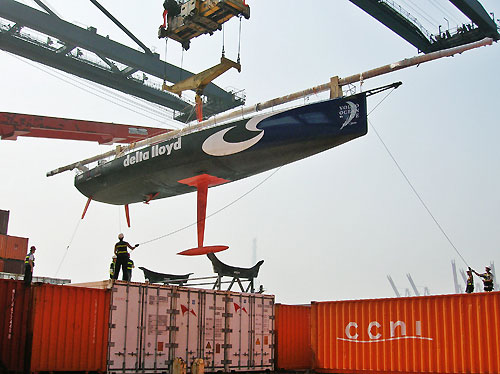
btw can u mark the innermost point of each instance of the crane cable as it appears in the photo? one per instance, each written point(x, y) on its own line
point(165, 64)
point(239, 43)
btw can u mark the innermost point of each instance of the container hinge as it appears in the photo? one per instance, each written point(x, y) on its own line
point(110, 362)
point(227, 298)
point(227, 330)
point(227, 346)
point(112, 325)
point(226, 362)
point(175, 294)
point(229, 315)
point(172, 328)
point(171, 345)
point(172, 311)
point(271, 317)
point(111, 344)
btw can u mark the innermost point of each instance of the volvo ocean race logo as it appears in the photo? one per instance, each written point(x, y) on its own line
point(397, 331)
point(347, 113)
point(216, 145)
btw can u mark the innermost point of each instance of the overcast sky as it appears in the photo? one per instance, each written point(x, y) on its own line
point(329, 227)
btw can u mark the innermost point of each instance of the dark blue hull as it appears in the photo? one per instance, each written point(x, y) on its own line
point(231, 151)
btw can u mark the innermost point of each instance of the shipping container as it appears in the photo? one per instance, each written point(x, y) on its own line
point(14, 319)
point(151, 325)
point(434, 334)
point(293, 337)
point(13, 266)
point(4, 221)
point(13, 247)
point(1, 267)
point(3, 245)
point(69, 328)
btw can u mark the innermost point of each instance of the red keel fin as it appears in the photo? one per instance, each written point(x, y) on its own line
point(202, 182)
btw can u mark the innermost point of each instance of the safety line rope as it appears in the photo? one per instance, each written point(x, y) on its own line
point(411, 184)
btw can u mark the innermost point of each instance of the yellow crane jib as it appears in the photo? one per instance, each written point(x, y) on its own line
point(199, 81)
point(196, 17)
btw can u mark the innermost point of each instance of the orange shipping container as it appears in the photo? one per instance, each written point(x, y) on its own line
point(69, 328)
point(433, 334)
point(293, 337)
point(13, 247)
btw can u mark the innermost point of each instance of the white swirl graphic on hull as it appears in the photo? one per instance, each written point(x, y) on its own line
point(215, 145)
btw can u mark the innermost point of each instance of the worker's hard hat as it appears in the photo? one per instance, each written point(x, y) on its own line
point(114, 257)
point(120, 236)
point(487, 268)
point(33, 248)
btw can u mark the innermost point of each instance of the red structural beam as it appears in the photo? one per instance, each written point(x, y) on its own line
point(13, 125)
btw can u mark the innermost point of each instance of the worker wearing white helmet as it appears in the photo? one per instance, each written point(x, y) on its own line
point(122, 257)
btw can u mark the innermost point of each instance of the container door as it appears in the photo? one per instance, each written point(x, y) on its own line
point(125, 323)
point(156, 340)
point(239, 327)
point(14, 317)
point(263, 356)
point(189, 324)
point(213, 335)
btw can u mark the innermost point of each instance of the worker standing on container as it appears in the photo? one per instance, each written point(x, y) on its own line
point(29, 264)
point(112, 267)
point(487, 279)
point(130, 266)
point(470, 282)
point(122, 257)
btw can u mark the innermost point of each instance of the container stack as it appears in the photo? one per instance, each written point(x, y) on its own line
point(123, 327)
point(13, 249)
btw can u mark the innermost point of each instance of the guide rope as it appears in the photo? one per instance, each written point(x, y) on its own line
point(68, 246)
point(411, 184)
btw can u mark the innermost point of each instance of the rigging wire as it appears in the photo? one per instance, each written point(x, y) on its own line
point(217, 211)
point(422, 13)
point(411, 184)
point(440, 7)
point(93, 87)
